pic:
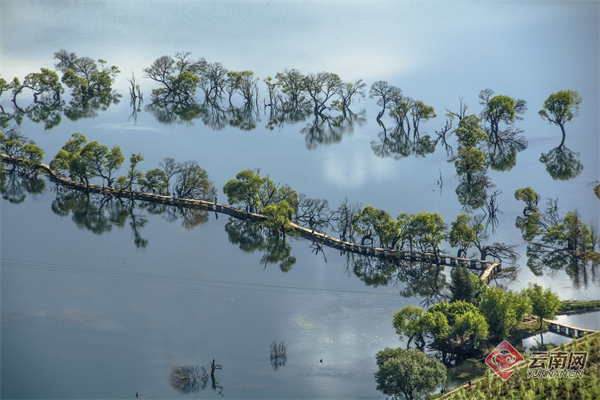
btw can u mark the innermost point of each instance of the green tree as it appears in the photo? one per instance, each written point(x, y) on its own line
point(469, 133)
point(69, 159)
point(570, 234)
point(467, 328)
point(531, 199)
point(17, 145)
point(244, 82)
point(133, 174)
point(154, 179)
point(420, 111)
point(466, 286)
point(193, 183)
point(321, 87)
point(178, 75)
point(379, 223)
point(469, 161)
point(408, 374)
point(461, 234)
point(279, 215)
point(102, 161)
point(83, 75)
point(499, 109)
point(544, 303)
point(427, 231)
point(561, 107)
point(244, 189)
point(45, 81)
point(292, 84)
point(503, 310)
point(409, 322)
point(256, 192)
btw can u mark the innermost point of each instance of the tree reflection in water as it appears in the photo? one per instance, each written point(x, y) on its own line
point(188, 379)
point(252, 237)
point(278, 355)
point(582, 271)
point(562, 163)
point(99, 214)
point(45, 109)
point(18, 182)
point(502, 149)
point(87, 106)
point(422, 279)
point(400, 143)
point(325, 129)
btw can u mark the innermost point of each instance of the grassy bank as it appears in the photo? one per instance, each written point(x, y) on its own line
point(519, 386)
point(578, 307)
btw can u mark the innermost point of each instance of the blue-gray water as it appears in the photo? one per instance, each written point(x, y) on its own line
point(93, 316)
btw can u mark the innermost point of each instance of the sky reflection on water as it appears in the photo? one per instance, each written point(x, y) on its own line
point(70, 296)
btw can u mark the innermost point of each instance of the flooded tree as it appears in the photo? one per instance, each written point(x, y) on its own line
point(213, 81)
point(101, 161)
point(133, 176)
point(291, 83)
point(179, 76)
point(23, 150)
point(387, 96)
point(560, 108)
point(256, 192)
point(502, 144)
point(321, 87)
point(83, 75)
point(348, 92)
point(39, 83)
point(192, 182)
point(243, 82)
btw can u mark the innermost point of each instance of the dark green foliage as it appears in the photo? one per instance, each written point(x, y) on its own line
point(503, 310)
point(408, 374)
point(466, 286)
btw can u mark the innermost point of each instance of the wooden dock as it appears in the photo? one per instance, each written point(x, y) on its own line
point(567, 330)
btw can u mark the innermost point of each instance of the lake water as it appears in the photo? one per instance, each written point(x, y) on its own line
point(87, 315)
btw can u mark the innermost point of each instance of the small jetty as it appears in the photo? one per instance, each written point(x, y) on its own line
point(567, 330)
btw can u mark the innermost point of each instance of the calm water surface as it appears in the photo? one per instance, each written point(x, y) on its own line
point(88, 315)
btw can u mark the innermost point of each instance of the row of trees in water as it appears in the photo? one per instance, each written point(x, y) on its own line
point(291, 97)
point(422, 232)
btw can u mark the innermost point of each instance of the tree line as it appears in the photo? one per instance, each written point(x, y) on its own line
point(180, 76)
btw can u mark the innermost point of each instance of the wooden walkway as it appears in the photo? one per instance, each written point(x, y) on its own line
point(567, 330)
point(489, 268)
